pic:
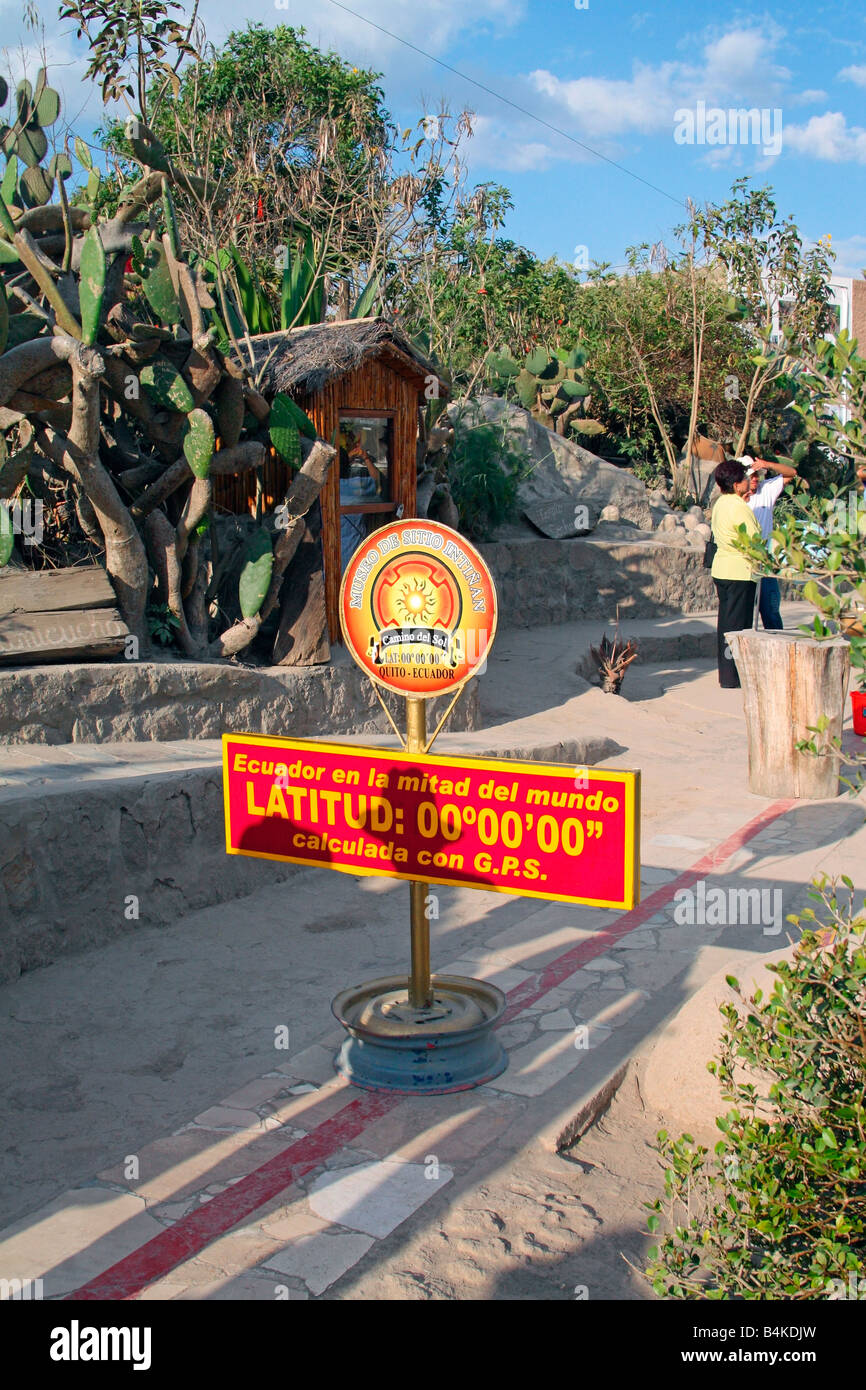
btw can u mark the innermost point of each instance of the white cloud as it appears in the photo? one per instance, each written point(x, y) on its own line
point(738, 56)
point(433, 25)
point(855, 73)
point(611, 106)
point(737, 69)
point(807, 98)
point(850, 256)
point(510, 147)
point(827, 137)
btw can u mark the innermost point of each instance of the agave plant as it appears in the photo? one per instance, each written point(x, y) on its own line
point(612, 658)
point(248, 307)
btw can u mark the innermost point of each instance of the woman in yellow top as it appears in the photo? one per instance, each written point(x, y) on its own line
point(732, 573)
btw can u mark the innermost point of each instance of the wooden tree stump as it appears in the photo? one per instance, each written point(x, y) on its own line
point(59, 615)
point(789, 682)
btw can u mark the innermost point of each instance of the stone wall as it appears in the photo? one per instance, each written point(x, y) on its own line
point(163, 701)
point(87, 862)
point(543, 581)
point(76, 866)
point(538, 581)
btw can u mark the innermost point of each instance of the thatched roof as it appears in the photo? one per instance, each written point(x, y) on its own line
point(303, 360)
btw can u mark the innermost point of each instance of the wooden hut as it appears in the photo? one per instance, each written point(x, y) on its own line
point(361, 382)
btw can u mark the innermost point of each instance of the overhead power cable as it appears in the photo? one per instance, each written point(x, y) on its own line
point(508, 102)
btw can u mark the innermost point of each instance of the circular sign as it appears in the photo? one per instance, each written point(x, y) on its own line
point(418, 608)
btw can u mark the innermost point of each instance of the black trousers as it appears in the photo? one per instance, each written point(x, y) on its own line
point(736, 612)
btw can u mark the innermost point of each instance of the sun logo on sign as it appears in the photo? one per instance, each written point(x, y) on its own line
point(416, 602)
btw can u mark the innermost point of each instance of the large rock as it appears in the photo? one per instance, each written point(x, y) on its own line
point(561, 468)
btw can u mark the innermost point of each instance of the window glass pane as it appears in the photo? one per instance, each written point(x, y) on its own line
point(365, 467)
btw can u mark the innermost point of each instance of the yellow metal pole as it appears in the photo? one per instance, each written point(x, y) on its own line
point(420, 987)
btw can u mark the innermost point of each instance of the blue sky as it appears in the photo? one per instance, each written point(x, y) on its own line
point(616, 77)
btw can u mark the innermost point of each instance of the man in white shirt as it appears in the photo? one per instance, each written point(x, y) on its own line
point(762, 497)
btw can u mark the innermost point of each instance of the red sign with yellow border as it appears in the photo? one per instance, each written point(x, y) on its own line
point(418, 608)
point(539, 830)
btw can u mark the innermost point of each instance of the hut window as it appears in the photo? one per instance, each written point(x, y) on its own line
point(366, 494)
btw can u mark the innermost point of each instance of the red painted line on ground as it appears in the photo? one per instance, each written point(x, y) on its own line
point(192, 1233)
point(528, 992)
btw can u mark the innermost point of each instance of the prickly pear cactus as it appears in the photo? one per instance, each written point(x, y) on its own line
point(91, 289)
point(166, 385)
point(553, 388)
point(256, 574)
point(199, 440)
point(286, 420)
point(157, 391)
point(25, 141)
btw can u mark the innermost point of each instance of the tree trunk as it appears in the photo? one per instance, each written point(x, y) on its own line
point(304, 491)
point(302, 634)
point(125, 557)
point(789, 682)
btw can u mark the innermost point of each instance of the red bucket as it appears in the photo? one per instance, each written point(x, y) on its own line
point(858, 707)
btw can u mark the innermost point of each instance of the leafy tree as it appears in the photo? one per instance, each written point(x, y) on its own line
point(297, 135)
point(131, 47)
point(770, 275)
point(822, 540)
point(660, 352)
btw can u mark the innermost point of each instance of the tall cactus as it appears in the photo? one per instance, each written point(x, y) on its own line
point(108, 361)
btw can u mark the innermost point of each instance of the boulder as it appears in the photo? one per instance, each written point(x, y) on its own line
point(561, 468)
point(443, 508)
point(704, 530)
point(690, 521)
point(621, 531)
point(668, 522)
point(559, 519)
point(701, 480)
point(610, 513)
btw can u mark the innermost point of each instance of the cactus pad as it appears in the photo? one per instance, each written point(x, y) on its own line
point(166, 386)
point(256, 574)
point(198, 443)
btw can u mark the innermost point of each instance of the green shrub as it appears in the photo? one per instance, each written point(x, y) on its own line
point(162, 624)
point(780, 1210)
point(484, 470)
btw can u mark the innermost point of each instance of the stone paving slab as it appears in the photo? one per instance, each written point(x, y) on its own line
point(108, 1054)
point(327, 1227)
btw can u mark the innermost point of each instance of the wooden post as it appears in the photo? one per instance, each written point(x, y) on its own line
point(789, 681)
